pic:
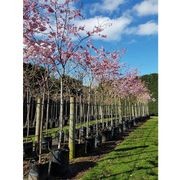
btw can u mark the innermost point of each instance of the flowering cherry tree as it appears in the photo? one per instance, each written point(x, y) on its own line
point(52, 37)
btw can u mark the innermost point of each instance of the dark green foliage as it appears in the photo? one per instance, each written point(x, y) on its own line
point(151, 81)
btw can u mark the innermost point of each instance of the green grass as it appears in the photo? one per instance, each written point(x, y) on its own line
point(136, 158)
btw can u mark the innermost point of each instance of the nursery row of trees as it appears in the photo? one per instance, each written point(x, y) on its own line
point(61, 61)
point(104, 100)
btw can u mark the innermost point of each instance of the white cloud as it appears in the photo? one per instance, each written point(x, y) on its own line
point(146, 7)
point(106, 6)
point(149, 28)
point(113, 32)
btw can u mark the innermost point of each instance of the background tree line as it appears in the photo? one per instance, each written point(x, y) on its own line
point(151, 81)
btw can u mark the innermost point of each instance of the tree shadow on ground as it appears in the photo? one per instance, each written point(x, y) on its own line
point(131, 148)
point(129, 173)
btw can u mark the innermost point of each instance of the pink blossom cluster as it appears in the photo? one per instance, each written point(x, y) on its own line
point(51, 37)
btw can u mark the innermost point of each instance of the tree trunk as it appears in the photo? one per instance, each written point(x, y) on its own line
point(116, 110)
point(120, 111)
point(61, 113)
point(28, 111)
point(101, 115)
point(125, 109)
point(139, 110)
point(88, 113)
point(80, 109)
point(135, 109)
point(129, 109)
point(41, 126)
point(147, 109)
point(111, 111)
point(132, 110)
point(47, 112)
point(32, 110)
point(71, 130)
point(95, 114)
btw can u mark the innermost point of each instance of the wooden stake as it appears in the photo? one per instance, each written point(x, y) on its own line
point(72, 130)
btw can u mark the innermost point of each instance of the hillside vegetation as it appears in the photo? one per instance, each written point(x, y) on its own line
point(151, 81)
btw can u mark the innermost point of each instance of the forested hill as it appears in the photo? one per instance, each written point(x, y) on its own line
point(151, 80)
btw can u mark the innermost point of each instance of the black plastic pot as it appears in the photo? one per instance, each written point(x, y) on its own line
point(79, 149)
point(24, 132)
point(82, 132)
point(106, 135)
point(105, 124)
point(137, 120)
point(89, 144)
point(34, 171)
point(127, 124)
point(76, 133)
point(98, 141)
point(121, 130)
point(123, 126)
point(94, 128)
point(91, 129)
point(58, 163)
point(32, 131)
point(100, 125)
point(28, 148)
point(130, 124)
point(46, 144)
point(115, 132)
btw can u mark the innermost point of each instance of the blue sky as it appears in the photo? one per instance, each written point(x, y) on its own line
point(134, 27)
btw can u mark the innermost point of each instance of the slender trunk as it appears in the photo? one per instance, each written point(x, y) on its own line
point(61, 108)
point(66, 108)
point(32, 110)
point(129, 108)
point(101, 115)
point(84, 112)
point(132, 110)
point(111, 111)
point(95, 104)
point(80, 109)
point(28, 111)
point(142, 105)
point(147, 109)
point(115, 110)
point(88, 112)
point(41, 126)
point(120, 111)
point(125, 109)
point(135, 108)
point(61, 112)
point(76, 111)
point(47, 112)
point(139, 110)
point(56, 110)
point(80, 115)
